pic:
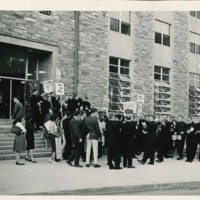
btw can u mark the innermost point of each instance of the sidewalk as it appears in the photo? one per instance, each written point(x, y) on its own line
point(44, 178)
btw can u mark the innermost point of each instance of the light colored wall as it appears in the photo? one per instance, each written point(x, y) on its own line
point(120, 45)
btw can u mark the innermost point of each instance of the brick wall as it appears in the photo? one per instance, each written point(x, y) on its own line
point(142, 31)
point(93, 56)
point(57, 29)
point(180, 64)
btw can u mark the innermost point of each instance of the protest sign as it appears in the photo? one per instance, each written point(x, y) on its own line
point(48, 86)
point(60, 89)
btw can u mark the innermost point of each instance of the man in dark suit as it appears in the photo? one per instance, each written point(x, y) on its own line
point(74, 129)
point(35, 108)
point(191, 140)
point(128, 134)
point(197, 129)
point(163, 140)
point(180, 131)
point(113, 143)
point(18, 111)
point(91, 127)
point(150, 144)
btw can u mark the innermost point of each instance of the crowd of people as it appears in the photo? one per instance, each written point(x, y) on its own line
point(122, 138)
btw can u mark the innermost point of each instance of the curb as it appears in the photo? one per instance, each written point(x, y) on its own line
point(122, 190)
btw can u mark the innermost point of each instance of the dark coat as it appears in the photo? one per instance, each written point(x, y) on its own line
point(74, 129)
point(91, 126)
point(18, 111)
point(112, 133)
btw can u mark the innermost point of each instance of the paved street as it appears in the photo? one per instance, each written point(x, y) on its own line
point(61, 179)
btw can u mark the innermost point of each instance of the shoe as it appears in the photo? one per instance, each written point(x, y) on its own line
point(54, 162)
point(179, 158)
point(17, 163)
point(159, 161)
point(78, 166)
point(118, 168)
point(96, 166)
point(69, 163)
point(50, 160)
point(87, 165)
point(190, 161)
point(141, 161)
point(111, 167)
point(150, 163)
point(187, 160)
point(131, 167)
point(28, 159)
point(33, 161)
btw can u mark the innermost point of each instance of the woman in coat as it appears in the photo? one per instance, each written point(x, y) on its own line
point(19, 142)
point(30, 141)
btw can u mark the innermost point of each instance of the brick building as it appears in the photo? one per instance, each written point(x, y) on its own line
point(104, 54)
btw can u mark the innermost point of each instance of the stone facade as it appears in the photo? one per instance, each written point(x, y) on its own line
point(56, 29)
point(180, 64)
point(142, 31)
point(93, 56)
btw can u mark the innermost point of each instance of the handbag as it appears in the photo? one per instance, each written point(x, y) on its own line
point(16, 130)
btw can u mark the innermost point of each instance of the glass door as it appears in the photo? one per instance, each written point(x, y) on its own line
point(4, 98)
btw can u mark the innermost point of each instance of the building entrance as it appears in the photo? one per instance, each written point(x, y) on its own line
point(10, 88)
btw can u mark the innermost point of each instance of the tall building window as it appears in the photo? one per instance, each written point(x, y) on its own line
point(162, 91)
point(114, 24)
point(119, 83)
point(120, 22)
point(194, 94)
point(194, 43)
point(194, 79)
point(162, 33)
point(195, 14)
point(161, 73)
point(192, 47)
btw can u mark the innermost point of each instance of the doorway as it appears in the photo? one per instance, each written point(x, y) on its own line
point(10, 88)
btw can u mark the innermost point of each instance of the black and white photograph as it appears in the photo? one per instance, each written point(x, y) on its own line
point(100, 98)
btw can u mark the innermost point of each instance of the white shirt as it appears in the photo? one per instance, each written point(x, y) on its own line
point(20, 125)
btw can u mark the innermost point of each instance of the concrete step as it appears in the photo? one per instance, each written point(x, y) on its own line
point(11, 138)
point(8, 147)
point(8, 133)
point(38, 150)
point(36, 155)
point(10, 142)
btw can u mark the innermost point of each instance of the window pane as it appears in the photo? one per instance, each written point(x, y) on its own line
point(192, 47)
point(166, 78)
point(198, 14)
point(192, 13)
point(157, 76)
point(113, 61)
point(125, 28)
point(124, 71)
point(113, 69)
point(32, 65)
point(114, 24)
point(157, 38)
point(165, 71)
point(197, 49)
point(124, 63)
point(166, 40)
point(12, 63)
point(157, 69)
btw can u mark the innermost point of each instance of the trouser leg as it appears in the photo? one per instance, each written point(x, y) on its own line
point(88, 151)
point(95, 150)
point(77, 153)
